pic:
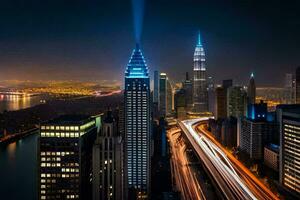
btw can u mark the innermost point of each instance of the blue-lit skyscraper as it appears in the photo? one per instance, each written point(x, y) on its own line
point(200, 99)
point(137, 125)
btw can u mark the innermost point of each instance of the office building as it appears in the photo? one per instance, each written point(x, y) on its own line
point(200, 99)
point(65, 157)
point(256, 131)
point(288, 117)
point(165, 95)
point(288, 87)
point(156, 87)
point(137, 125)
point(211, 95)
point(271, 156)
point(180, 104)
point(236, 102)
point(229, 132)
point(170, 98)
point(251, 94)
point(220, 103)
point(298, 85)
point(108, 161)
point(187, 85)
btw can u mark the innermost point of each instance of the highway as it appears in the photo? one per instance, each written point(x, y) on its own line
point(185, 179)
point(234, 180)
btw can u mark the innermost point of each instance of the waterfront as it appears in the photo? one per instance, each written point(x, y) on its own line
point(18, 169)
point(17, 102)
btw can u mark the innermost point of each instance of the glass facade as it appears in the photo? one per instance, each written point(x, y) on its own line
point(291, 155)
point(64, 155)
point(137, 124)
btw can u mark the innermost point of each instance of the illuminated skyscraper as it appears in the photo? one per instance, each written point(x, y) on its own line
point(251, 94)
point(200, 99)
point(137, 125)
point(289, 168)
point(65, 157)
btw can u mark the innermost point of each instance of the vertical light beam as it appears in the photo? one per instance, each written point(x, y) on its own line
point(138, 15)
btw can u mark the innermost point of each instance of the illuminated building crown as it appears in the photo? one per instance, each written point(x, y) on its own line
point(137, 67)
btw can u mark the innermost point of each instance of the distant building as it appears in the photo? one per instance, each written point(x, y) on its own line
point(251, 94)
point(211, 95)
point(165, 95)
point(298, 85)
point(156, 87)
point(187, 85)
point(236, 102)
point(65, 157)
point(288, 86)
point(170, 98)
point(220, 103)
point(108, 161)
point(137, 126)
point(229, 132)
point(180, 104)
point(258, 111)
point(288, 117)
point(256, 131)
point(271, 156)
point(200, 99)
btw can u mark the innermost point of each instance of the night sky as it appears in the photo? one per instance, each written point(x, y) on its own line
point(93, 40)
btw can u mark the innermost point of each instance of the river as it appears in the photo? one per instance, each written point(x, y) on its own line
point(17, 102)
point(18, 169)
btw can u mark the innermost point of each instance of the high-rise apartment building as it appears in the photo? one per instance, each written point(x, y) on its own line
point(65, 157)
point(108, 161)
point(289, 167)
point(200, 99)
point(137, 125)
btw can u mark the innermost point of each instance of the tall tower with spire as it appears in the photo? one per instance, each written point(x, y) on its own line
point(251, 90)
point(200, 98)
point(137, 126)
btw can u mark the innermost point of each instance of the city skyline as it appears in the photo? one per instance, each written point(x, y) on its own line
point(238, 37)
point(207, 105)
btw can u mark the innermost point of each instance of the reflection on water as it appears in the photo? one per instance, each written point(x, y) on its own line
point(11, 150)
point(18, 169)
point(17, 102)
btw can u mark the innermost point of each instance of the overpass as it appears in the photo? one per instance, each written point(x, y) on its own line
point(233, 179)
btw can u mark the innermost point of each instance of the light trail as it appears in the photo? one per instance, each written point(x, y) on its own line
point(186, 181)
point(231, 177)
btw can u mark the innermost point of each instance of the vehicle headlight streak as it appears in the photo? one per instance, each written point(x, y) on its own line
point(219, 160)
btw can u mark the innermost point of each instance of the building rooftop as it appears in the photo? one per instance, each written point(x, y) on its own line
point(69, 120)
